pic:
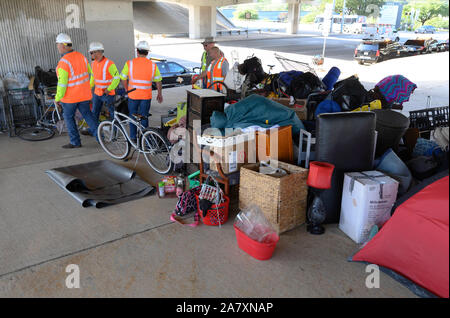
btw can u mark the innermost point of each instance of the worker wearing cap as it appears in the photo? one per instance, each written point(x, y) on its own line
point(105, 77)
point(216, 71)
point(208, 43)
point(139, 73)
point(73, 90)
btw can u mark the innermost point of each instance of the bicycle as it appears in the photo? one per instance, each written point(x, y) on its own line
point(116, 142)
point(49, 121)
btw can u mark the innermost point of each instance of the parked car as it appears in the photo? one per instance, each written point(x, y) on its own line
point(370, 51)
point(426, 29)
point(173, 73)
point(439, 46)
point(417, 46)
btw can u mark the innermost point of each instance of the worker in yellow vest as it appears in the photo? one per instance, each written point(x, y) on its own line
point(217, 70)
point(73, 90)
point(105, 78)
point(208, 43)
point(140, 73)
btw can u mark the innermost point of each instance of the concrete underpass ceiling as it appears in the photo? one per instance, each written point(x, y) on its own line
point(221, 3)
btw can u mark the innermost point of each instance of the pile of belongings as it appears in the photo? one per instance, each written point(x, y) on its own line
point(256, 110)
point(350, 95)
point(291, 83)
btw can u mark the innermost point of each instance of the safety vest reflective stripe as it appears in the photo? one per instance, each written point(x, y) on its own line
point(70, 66)
point(124, 76)
point(140, 81)
point(78, 83)
point(104, 74)
point(73, 78)
point(140, 87)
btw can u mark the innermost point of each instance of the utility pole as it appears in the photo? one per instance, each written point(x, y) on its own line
point(332, 10)
point(343, 18)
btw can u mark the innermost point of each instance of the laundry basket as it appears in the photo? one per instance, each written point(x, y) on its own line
point(217, 213)
point(259, 250)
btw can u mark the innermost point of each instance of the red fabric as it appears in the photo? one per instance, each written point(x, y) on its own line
point(415, 241)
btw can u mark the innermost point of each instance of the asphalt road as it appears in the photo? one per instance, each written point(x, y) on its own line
point(336, 47)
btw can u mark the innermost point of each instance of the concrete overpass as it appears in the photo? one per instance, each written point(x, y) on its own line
point(28, 28)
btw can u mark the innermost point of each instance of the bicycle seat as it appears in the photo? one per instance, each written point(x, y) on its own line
point(270, 66)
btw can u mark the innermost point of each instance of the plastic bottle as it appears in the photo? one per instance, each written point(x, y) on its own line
point(161, 189)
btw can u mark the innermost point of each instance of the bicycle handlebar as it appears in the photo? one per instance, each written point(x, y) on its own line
point(122, 98)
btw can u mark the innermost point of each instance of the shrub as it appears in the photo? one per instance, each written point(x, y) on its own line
point(241, 14)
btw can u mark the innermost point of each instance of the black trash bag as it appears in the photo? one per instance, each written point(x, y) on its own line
point(46, 78)
point(253, 68)
point(349, 94)
point(305, 84)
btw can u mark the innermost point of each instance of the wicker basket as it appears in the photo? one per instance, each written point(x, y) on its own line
point(283, 200)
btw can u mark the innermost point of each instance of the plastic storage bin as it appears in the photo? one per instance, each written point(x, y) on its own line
point(429, 118)
point(258, 250)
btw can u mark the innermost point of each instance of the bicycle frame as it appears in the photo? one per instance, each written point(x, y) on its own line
point(140, 129)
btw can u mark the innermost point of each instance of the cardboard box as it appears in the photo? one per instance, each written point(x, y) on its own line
point(367, 200)
point(235, 150)
point(282, 199)
point(299, 106)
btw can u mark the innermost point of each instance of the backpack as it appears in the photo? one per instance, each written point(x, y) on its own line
point(349, 93)
point(304, 84)
point(253, 67)
point(48, 79)
point(187, 202)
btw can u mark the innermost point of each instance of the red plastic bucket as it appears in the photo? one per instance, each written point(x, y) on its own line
point(319, 175)
point(212, 217)
point(261, 251)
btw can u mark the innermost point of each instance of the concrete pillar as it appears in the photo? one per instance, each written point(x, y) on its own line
point(293, 17)
point(202, 21)
point(111, 23)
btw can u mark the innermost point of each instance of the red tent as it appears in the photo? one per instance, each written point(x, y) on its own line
point(415, 241)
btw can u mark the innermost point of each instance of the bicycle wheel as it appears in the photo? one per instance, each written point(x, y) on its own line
point(113, 140)
point(35, 133)
point(157, 151)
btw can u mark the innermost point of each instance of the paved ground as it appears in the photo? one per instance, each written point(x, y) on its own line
point(133, 250)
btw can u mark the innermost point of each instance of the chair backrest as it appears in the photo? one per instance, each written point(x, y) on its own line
point(346, 140)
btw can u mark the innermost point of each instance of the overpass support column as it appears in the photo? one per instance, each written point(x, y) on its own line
point(202, 21)
point(111, 22)
point(293, 18)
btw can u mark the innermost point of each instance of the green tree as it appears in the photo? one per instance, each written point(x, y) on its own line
point(241, 14)
point(362, 7)
point(428, 9)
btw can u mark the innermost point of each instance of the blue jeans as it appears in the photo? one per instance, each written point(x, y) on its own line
point(97, 103)
point(69, 110)
point(141, 107)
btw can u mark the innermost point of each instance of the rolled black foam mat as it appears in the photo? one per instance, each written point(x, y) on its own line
point(100, 183)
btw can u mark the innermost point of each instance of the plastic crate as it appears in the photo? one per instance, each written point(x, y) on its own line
point(429, 119)
point(22, 108)
point(3, 125)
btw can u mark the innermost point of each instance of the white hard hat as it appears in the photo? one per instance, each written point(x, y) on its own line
point(63, 38)
point(96, 46)
point(143, 45)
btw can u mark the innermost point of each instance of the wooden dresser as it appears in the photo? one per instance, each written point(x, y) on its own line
point(201, 104)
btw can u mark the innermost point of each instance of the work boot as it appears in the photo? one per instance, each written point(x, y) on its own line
point(86, 133)
point(70, 146)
